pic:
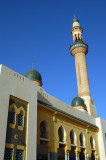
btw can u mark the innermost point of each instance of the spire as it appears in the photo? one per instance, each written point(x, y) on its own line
point(32, 65)
point(76, 30)
point(75, 19)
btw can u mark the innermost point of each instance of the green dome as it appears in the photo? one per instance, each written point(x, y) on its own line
point(77, 101)
point(33, 75)
point(75, 20)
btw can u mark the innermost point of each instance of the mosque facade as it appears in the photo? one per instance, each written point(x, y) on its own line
point(37, 126)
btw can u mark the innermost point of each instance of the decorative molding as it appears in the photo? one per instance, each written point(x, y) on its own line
point(11, 146)
point(78, 48)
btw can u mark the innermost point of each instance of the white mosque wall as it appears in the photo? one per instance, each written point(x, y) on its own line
point(101, 123)
point(12, 83)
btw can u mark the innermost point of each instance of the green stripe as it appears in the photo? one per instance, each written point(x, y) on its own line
point(56, 109)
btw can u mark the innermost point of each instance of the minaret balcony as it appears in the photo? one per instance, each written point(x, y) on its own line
point(78, 47)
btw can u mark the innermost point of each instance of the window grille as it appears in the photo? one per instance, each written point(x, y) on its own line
point(20, 120)
point(12, 117)
point(19, 155)
point(8, 154)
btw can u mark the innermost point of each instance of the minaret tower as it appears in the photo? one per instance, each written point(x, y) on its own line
point(79, 49)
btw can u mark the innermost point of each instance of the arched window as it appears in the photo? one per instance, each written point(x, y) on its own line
point(60, 133)
point(12, 116)
point(72, 137)
point(82, 140)
point(44, 129)
point(92, 142)
point(20, 119)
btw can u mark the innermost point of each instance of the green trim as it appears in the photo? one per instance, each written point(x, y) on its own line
point(78, 44)
point(67, 114)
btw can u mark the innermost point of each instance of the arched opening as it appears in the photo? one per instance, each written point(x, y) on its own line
point(61, 134)
point(44, 129)
point(62, 143)
point(73, 145)
point(82, 145)
point(72, 137)
point(42, 151)
point(82, 140)
point(92, 142)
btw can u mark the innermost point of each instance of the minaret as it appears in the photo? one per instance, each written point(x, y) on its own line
point(79, 49)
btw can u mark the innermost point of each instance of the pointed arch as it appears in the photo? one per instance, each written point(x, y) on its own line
point(92, 142)
point(12, 115)
point(44, 129)
point(21, 116)
point(13, 108)
point(82, 139)
point(62, 134)
point(21, 110)
point(73, 137)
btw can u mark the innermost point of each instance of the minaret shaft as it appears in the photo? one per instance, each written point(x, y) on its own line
point(79, 50)
point(82, 74)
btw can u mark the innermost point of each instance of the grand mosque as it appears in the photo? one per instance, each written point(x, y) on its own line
point(37, 126)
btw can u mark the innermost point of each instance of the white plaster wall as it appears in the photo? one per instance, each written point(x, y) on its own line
point(11, 83)
point(101, 137)
point(46, 98)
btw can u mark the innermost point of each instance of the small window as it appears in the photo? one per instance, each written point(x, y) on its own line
point(12, 117)
point(20, 120)
point(19, 155)
point(8, 154)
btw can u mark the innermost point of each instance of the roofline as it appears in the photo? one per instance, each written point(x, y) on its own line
point(67, 114)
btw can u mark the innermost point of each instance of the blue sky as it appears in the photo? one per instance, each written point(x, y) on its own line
point(39, 32)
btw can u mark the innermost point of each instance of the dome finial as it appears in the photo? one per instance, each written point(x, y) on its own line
point(75, 19)
point(74, 16)
point(32, 65)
